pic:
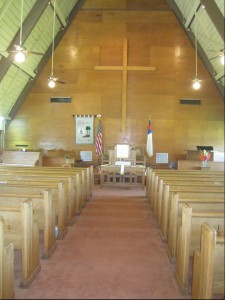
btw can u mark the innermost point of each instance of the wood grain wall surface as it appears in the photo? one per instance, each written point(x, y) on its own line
point(95, 38)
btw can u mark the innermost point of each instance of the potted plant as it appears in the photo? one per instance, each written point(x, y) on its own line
point(67, 157)
point(204, 156)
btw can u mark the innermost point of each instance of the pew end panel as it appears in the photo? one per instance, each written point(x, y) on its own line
point(6, 266)
point(208, 265)
point(23, 231)
point(188, 240)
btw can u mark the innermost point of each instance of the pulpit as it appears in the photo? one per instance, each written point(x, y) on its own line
point(122, 168)
point(122, 153)
point(137, 155)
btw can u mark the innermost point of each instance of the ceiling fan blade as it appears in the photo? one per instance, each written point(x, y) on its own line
point(32, 52)
point(213, 51)
point(59, 80)
point(56, 80)
point(9, 51)
point(213, 57)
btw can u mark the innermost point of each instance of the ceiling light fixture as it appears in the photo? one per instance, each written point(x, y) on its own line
point(21, 52)
point(51, 83)
point(20, 57)
point(196, 82)
point(52, 80)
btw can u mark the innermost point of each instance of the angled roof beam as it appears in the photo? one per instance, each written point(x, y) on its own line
point(44, 60)
point(4, 8)
point(191, 15)
point(215, 15)
point(28, 25)
point(201, 53)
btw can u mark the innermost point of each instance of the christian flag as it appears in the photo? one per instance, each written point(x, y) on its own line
point(149, 147)
point(98, 143)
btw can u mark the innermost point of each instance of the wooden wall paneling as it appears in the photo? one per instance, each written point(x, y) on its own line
point(95, 37)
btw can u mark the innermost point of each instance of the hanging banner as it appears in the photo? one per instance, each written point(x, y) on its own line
point(84, 129)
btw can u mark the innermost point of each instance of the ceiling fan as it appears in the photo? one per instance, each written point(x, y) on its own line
point(19, 50)
point(220, 54)
point(52, 79)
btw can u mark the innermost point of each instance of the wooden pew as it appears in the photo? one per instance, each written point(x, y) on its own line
point(189, 239)
point(152, 173)
point(36, 179)
point(22, 230)
point(86, 182)
point(168, 191)
point(43, 211)
point(208, 265)
point(182, 179)
point(79, 184)
point(205, 200)
point(6, 266)
point(87, 174)
point(177, 184)
point(58, 199)
point(72, 187)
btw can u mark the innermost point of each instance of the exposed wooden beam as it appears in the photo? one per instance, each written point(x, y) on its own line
point(45, 58)
point(28, 25)
point(215, 15)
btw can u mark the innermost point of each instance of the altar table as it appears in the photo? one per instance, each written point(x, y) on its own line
point(111, 175)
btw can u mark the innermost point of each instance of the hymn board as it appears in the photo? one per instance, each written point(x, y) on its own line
point(124, 68)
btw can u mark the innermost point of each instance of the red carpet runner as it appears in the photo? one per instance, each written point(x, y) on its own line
point(113, 251)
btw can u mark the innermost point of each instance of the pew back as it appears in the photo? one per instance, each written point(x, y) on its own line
point(23, 231)
point(196, 203)
point(43, 211)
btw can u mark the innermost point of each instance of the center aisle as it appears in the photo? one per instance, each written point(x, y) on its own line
point(113, 251)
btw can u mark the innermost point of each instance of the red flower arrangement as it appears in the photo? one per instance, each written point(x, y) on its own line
point(204, 155)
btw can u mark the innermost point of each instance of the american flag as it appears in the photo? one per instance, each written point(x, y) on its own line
point(99, 145)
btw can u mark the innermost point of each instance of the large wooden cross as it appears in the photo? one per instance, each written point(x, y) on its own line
point(124, 68)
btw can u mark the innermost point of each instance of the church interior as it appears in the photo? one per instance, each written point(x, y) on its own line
point(112, 149)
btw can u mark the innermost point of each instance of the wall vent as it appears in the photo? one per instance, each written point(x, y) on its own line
point(191, 101)
point(61, 99)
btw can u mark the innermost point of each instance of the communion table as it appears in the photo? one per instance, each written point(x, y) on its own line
point(117, 175)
